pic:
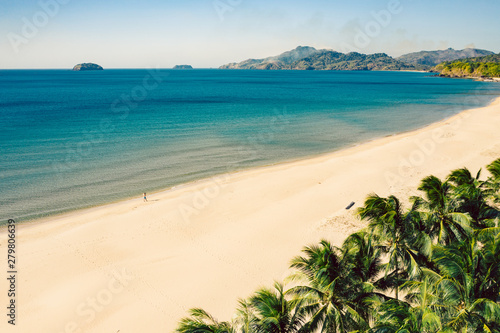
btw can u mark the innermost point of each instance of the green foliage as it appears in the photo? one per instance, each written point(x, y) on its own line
point(433, 58)
point(466, 285)
point(332, 292)
point(487, 66)
point(394, 230)
point(299, 59)
point(201, 321)
point(331, 60)
point(274, 312)
point(443, 254)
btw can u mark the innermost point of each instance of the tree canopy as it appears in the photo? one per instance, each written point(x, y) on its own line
point(433, 267)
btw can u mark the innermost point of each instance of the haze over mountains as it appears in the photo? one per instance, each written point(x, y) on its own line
point(309, 58)
point(275, 62)
point(433, 58)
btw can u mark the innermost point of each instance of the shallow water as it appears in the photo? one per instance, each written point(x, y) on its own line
point(70, 140)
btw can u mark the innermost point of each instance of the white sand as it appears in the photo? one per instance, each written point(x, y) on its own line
point(209, 243)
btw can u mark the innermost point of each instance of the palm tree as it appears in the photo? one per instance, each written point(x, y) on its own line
point(200, 321)
point(398, 235)
point(471, 195)
point(364, 254)
point(332, 298)
point(424, 308)
point(274, 312)
point(395, 316)
point(490, 240)
point(494, 180)
point(467, 279)
point(451, 286)
point(245, 318)
point(494, 168)
point(461, 296)
point(440, 211)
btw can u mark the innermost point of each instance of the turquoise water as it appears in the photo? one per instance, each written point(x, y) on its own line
point(70, 140)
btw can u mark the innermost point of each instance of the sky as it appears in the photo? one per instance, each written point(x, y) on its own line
point(209, 33)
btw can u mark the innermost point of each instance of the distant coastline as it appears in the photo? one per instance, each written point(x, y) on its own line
point(310, 58)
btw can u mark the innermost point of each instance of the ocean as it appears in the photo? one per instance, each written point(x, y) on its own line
point(71, 140)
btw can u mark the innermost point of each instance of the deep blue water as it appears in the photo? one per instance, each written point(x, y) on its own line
point(70, 140)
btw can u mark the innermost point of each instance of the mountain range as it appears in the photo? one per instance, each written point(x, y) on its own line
point(433, 58)
point(309, 58)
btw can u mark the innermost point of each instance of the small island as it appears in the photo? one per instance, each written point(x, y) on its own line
point(182, 67)
point(87, 67)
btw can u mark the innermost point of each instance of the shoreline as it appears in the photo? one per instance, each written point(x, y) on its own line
point(475, 78)
point(179, 186)
point(207, 243)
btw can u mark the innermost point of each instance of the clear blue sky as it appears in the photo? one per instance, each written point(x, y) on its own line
point(209, 33)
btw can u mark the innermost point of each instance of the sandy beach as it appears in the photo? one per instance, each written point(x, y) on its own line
point(137, 266)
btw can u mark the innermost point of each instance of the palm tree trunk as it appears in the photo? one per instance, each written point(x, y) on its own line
point(397, 280)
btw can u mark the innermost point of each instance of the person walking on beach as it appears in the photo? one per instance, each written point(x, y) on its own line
point(145, 199)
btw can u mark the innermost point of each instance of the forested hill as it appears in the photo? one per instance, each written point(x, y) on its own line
point(485, 67)
point(331, 60)
point(433, 58)
point(309, 58)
